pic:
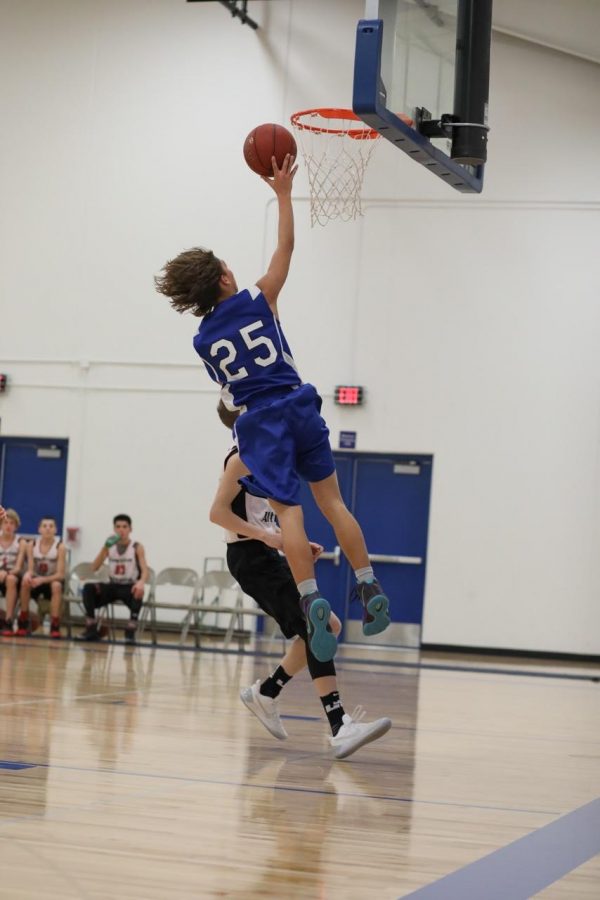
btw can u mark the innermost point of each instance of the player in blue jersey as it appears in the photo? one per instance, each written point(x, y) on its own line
point(280, 434)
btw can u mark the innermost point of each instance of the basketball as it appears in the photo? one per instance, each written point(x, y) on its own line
point(34, 622)
point(266, 141)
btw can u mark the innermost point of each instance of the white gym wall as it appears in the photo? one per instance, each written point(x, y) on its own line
point(473, 322)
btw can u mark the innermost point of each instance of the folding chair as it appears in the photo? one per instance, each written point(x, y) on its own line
point(78, 576)
point(172, 577)
point(222, 582)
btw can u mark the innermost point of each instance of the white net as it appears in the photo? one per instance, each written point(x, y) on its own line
point(336, 147)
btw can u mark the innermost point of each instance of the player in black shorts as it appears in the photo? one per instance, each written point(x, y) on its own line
point(253, 544)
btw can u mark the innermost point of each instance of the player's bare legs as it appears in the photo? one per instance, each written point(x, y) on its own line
point(295, 542)
point(299, 555)
point(348, 532)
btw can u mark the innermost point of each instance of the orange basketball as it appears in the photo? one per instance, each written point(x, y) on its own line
point(266, 141)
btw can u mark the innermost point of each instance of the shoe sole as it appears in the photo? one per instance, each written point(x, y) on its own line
point(377, 607)
point(323, 643)
point(251, 705)
point(383, 728)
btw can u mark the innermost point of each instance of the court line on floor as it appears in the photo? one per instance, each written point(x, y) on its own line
point(63, 700)
point(340, 660)
point(525, 867)
point(194, 779)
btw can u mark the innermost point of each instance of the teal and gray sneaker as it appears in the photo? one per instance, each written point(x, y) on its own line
point(376, 606)
point(321, 640)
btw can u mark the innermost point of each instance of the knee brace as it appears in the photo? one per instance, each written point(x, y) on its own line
point(316, 668)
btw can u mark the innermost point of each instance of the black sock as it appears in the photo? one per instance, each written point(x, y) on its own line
point(271, 686)
point(334, 711)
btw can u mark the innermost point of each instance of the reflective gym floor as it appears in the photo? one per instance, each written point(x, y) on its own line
point(138, 773)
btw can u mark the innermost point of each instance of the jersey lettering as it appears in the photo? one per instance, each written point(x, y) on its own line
point(251, 343)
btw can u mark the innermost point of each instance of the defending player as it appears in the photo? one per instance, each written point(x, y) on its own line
point(253, 539)
point(281, 435)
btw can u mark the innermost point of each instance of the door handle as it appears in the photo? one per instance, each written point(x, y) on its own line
point(334, 555)
point(404, 560)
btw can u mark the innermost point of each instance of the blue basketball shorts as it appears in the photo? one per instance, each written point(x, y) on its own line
point(283, 440)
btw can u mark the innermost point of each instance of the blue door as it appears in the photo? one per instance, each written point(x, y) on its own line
point(389, 495)
point(33, 477)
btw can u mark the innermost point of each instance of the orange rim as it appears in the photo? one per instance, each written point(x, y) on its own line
point(326, 112)
point(365, 133)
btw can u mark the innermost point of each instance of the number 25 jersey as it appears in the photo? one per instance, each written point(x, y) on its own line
point(244, 349)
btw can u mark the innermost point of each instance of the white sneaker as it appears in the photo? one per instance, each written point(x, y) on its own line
point(354, 733)
point(265, 709)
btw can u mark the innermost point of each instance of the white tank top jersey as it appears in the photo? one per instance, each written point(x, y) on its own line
point(123, 567)
point(45, 564)
point(254, 510)
point(8, 555)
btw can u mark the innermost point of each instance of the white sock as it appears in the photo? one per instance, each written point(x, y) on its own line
point(307, 587)
point(364, 575)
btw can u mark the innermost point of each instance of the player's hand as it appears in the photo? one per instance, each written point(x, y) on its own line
point(282, 179)
point(273, 540)
point(2, 513)
point(36, 582)
point(138, 590)
point(315, 549)
point(111, 541)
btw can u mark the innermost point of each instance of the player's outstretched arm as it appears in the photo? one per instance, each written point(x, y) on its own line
point(274, 279)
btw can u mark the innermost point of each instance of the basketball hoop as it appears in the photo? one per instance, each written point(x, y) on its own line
point(336, 146)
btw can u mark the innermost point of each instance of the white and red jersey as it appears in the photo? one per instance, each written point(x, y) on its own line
point(123, 564)
point(8, 555)
point(45, 562)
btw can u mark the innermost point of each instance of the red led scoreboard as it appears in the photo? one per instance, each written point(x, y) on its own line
point(348, 395)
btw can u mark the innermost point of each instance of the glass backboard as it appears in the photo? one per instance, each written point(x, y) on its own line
point(428, 61)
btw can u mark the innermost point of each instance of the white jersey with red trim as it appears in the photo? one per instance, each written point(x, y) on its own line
point(8, 555)
point(45, 562)
point(123, 565)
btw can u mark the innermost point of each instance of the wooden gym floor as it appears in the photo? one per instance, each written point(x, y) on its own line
point(137, 773)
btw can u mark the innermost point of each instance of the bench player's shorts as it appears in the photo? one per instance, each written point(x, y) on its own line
point(282, 440)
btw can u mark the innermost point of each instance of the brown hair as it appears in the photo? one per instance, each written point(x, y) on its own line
point(227, 416)
point(191, 281)
point(14, 515)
